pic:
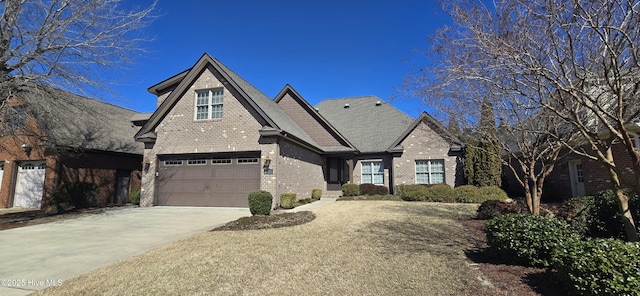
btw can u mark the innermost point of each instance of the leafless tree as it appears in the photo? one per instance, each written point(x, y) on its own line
point(71, 45)
point(576, 59)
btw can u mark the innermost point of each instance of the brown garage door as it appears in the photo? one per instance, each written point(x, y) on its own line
point(207, 182)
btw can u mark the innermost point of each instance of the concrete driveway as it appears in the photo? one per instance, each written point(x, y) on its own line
point(35, 257)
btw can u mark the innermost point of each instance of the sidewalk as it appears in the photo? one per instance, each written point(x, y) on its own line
point(310, 206)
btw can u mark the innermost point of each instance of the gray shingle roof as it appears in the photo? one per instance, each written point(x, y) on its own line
point(75, 121)
point(368, 126)
point(268, 106)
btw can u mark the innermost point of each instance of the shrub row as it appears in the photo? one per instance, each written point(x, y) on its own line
point(372, 189)
point(444, 193)
point(364, 189)
point(585, 266)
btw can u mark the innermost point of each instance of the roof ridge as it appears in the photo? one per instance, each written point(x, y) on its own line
point(351, 98)
point(49, 88)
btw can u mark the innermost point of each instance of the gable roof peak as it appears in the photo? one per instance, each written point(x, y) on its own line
point(268, 111)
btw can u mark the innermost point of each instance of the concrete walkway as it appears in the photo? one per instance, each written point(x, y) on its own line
point(35, 257)
point(311, 206)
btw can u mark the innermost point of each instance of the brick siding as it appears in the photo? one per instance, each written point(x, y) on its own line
point(423, 144)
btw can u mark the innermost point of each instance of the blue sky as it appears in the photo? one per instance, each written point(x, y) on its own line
point(324, 49)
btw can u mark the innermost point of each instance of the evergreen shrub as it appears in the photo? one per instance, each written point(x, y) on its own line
point(260, 202)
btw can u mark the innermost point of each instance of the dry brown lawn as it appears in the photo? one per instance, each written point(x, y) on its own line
point(351, 248)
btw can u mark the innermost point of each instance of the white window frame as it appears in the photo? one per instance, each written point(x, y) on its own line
point(372, 174)
point(221, 161)
point(173, 162)
point(247, 160)
point(212, 101)
point(197, 161)
point(430, 172)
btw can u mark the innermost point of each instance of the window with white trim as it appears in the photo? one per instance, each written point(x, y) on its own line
point(247, 160)
point(221, 161)
point(208, 104)
point(173, 162)
point(372, 172)
point(430, 171)
point(199, 161)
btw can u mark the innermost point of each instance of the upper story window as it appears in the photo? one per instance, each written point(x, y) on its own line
point(208, 104)
point(16, 118)
point(372, 172)
point(430, 171)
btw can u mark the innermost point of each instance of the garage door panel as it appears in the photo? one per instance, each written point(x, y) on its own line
point(222, 185)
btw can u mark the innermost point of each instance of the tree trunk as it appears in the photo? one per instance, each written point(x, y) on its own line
point(622, 201)
point(527, 195)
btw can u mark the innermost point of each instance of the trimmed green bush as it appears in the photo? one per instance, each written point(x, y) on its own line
point(260, 202)
point(372, 189)
point(287, 200)
point(316, 194)
point(350, 189)
point(134, 196)
point(440, 193)
point(491, 193)
point(411, 192)
point(599, 267)
point(491, 208)
point(527, 239)
point(466, 193)
point(77, 194)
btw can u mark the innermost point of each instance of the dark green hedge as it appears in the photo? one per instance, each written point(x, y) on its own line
point(372, 189)
point(599, 267)
point(77, 194)
point(260, 202)
point(527, 239)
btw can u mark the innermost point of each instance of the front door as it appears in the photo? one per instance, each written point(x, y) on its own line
point(577, 178)
point(122, 187)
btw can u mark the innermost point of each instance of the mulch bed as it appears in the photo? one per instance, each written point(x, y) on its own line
point(267, 222)
point(506, 279)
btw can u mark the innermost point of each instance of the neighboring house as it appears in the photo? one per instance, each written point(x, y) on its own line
point(214, 138)
point(49, 137)
point(576, 175)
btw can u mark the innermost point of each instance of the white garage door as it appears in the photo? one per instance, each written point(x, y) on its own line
point(29, 185)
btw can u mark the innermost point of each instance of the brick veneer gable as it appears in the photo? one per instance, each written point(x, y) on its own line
point(423, 143)
point(237, 130)
point(309, 124)
point(179, 133)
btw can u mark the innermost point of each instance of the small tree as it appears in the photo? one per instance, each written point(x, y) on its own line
point(483, 166)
